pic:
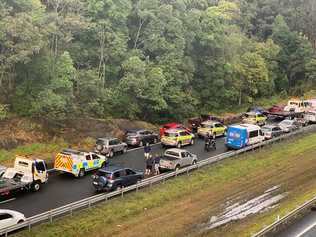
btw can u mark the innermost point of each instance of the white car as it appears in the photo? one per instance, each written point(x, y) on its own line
point(9, 218)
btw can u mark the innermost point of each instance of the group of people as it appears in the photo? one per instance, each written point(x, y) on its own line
point(152, 162)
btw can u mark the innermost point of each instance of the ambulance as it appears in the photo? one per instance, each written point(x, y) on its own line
point(78, 162)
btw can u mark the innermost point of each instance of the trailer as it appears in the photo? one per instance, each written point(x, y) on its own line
point(26, 175)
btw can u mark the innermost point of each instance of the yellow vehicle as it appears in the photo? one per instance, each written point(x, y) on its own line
point(78, 162)
point(212, 127)
point(177, 138)
point(255, 118)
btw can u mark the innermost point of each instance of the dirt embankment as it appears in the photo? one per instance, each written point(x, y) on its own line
point(19, 131)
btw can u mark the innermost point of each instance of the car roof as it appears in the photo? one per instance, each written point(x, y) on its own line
point(211, 122)
point(177, 150)
point(10, 212)
point(135, 130)
point(253, 113)
point(269, 126)
point(172, 124)
point(74, 152)
point(106, 138)
point(112, 168)
point(175, 130)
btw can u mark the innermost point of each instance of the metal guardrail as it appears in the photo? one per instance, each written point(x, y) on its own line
point(273, 227)
point(87, 202)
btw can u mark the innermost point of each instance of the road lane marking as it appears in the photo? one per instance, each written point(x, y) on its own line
point(9, 200)
point(306, 230)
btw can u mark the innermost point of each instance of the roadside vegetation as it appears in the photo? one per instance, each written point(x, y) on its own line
point(150, 59)
point(184, 205)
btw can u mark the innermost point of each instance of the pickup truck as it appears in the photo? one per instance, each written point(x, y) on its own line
point(27, 174)
point(174, 159)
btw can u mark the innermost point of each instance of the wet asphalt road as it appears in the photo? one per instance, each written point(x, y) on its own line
point(304, 227)
point(63, 189)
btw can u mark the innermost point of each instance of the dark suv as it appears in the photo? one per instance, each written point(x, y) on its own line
point(139, 137)
point(114, 178)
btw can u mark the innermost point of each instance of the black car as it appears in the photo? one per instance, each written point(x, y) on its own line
point(114, 178)
point(139, 137)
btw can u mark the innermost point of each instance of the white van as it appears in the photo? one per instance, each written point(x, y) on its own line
point(239, 136)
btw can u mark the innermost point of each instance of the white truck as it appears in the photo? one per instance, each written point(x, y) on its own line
point(297, 106)
point(27, 174)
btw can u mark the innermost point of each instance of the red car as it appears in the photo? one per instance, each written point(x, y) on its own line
point(276, 108)
point(169, 126)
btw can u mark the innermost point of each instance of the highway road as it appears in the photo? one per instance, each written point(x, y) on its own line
point(63, 189)
point(304, 227)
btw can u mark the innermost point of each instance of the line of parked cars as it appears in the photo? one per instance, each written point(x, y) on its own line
point(253, 128)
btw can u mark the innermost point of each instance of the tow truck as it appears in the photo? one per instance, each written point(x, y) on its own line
point(26, 175)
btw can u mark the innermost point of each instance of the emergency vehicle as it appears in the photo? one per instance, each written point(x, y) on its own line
point(78, 162)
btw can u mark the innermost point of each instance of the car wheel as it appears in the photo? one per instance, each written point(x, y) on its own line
point(194, 162)
point(36, 186)
point(111, 154)
point(179, 145)
point(141, 143)
point(20, 221)
point(81, 173)
point(177, 167)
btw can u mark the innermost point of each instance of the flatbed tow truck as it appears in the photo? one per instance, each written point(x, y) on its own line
point(26, 175)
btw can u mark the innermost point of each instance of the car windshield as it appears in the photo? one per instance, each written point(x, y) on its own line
point(250, 116)
point(170, 134)
point(266, 129)
point(286, 122)
point(131, 134)
point(206, 125)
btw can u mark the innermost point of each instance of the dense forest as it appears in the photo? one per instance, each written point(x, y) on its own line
point(151, 59)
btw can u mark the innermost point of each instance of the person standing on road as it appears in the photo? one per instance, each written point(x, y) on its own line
point(149, 165)
point(147, 150)
point(157, 164)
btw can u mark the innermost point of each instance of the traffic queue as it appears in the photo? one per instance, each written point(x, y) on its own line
point(254, 126)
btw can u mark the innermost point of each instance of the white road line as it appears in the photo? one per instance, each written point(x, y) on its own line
point(306, 230)
point(9, 200)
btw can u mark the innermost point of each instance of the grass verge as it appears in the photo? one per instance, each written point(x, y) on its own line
point(181, 206)
point(40, 150)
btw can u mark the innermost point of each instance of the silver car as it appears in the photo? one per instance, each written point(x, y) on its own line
point(288, 125)
point(110, 146)
point(175, 159)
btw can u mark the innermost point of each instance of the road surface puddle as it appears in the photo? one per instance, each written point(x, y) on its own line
point(240, 210)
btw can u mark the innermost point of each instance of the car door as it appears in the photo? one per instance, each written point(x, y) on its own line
point(96, 161)
point(219, 129)
point(6, 220)
point(146, 137)
point(184, 159)
point(41, 173)
point(88, 164)
point(124, 178)
point(116, 145)
point(131, 177)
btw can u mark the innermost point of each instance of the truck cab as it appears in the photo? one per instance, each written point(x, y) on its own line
point(297, 106)
point(26, 174)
